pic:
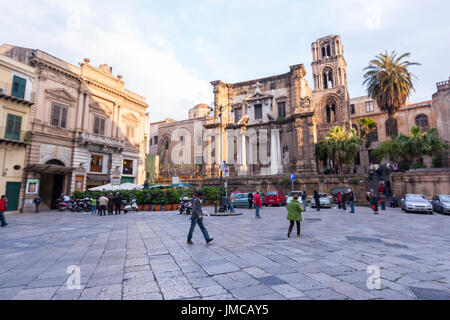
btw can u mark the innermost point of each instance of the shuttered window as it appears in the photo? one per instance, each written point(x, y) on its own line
point(59, 116)
point(13, 125)
point(18, 87)
point(99, 126)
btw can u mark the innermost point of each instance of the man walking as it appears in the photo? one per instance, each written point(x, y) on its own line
point(317, 200)
point(3, 202)
point(351, 200)
point(37, 201)
point(250, 200)
point(258, 204)
point(118, 202)
point(102, 204)
point(196, 218)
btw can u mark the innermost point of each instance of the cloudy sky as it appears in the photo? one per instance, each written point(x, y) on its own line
point(169, 51)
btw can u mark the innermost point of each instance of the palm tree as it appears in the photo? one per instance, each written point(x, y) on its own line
point(343, 145)
point(389, 83)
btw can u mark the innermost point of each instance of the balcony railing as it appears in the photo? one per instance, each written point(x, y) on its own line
point(443, 85)
point(92, 138)
point(14, 136)
point(7, 88)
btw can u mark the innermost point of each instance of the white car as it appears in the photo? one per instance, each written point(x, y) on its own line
point(416, 203)
point(324, 200)
point(290, 197)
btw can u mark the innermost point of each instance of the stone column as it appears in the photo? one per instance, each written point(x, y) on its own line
point(79, 111)
point(275, 153)
point(86, 113)
point(242, 153)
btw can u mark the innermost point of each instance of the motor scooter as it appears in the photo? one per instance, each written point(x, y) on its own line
point(130, 206)
point(186, 206)
point(61, 205)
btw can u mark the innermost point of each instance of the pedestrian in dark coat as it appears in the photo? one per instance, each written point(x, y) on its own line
point(317, 200)
point(37, 201)
point(118, 203)
point(110, 204)
point(344, 201)
point(197, 218)
point(250, 200)
point(373, 201)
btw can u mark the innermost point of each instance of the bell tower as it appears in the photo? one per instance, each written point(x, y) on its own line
point(330, 96)
point(329, 66)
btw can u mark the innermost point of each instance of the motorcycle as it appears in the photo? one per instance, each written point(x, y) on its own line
point(130, 206)
point(87, 204)
point(185, 206)
point(61, 205)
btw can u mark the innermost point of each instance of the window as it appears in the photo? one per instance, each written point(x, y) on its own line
point(369, 106)
point(237, 115)
point(258, 112)
point(328, 78)
point(330, 113)
point(13, 125)
point(18, 87)
point(130, 133)
point(373, 136)
point(99, 126)
point(59, 116)
point(182, 141)
point(282, 110)
point(167, 145)
point(155, 140)
point(127, 166)
point(352, 109)
point(422, 122)
point(390, 131)
point(96, 163)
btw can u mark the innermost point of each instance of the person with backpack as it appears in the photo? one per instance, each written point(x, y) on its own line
point(351, 200)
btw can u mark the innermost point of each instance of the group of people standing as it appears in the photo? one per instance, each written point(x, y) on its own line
point(107, 204)
point(379, 198)
point(344, 198)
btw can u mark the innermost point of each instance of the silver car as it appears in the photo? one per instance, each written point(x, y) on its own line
point(416, 203)
point(441, 204)
point(324, 200)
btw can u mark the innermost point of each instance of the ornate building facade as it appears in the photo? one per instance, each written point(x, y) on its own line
point(86, 128)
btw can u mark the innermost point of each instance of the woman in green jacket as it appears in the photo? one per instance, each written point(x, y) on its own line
point(294, 215)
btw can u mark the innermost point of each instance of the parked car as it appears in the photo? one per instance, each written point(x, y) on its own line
point(335, 191)
point(292, 194)
point(241, 200)
point(324, 200)
point(441, 203)
point(416, 203)
point(275, 198)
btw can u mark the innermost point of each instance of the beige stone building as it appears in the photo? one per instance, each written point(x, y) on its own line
point(16, 86)
point(86, 128)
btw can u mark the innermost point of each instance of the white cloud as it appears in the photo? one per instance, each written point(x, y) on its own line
point(146, 60)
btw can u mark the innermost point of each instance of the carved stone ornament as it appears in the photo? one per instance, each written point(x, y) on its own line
point(306, 102)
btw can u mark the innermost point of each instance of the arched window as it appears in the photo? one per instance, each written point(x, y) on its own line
point(167, 145)
point(328, 78)
point(328, 51)
point(422, 122)
point(330, 112)
point(323, 52)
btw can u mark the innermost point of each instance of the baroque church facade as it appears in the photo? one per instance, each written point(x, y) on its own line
point(270, 125)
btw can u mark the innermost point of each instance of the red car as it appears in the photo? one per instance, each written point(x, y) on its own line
point(275, 198)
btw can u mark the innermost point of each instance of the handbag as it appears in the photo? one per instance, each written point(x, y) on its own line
point(374, 208)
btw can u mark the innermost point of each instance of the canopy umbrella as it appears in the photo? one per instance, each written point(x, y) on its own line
point(130, 186)
point(159, 186)
point(106, 187)
point(181, 185)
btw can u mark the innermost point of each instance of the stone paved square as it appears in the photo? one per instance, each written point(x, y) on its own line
point(144, 256)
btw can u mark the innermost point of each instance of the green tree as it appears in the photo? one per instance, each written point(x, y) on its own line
point(343, 146)
point(410, 149)
point(366, 127)
point(389, 83)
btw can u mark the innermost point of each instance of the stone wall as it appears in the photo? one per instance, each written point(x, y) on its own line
point(320, 183)
point(429, 182)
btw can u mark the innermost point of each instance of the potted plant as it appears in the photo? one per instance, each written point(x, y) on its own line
point(156, 200)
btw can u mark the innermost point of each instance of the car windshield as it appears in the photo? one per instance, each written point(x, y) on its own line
point(296, 193)
point(323, 195)
point(415, 197)
point(272, 193)
point(445, 198)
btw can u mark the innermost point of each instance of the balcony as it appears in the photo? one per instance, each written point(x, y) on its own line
point(10, 136)
point(16, 93)
point(87, 138)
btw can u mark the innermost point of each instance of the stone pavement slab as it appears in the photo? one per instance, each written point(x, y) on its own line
point(144, 256)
